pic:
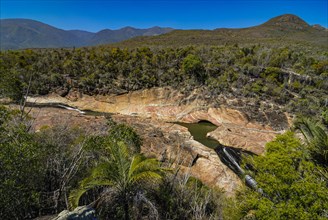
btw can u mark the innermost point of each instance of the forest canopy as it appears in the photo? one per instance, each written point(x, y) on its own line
point(287, 76)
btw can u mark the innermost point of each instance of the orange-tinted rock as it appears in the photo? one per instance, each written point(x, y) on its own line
point(168, 142)
point(148, 111)
point(234, 127)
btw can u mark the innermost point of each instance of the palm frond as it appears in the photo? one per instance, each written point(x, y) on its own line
point(316, 137)
point(74, 197)
point(120, 172)
point(85, 186)
point(140, 164)
point(145, 176)
point(306, 127)
point(136, 160)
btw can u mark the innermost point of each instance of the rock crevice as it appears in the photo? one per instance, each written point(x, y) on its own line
point(237, 126)
point(151, 112)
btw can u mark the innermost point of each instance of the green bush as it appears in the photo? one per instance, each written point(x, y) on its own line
point(292, 185)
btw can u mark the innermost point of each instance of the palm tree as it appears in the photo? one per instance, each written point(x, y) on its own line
point(122, 179)
point(316, 137)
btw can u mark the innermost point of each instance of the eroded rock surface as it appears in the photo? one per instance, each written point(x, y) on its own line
point(168, 142)
point(172, 142)
point(242, 125)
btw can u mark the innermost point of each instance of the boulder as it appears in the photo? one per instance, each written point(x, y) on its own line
point(79, 213)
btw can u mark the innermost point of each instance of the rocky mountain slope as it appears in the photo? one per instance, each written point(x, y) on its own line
point(25, 33)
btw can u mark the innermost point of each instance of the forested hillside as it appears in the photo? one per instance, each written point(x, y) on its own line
point(283, 30)
point(292, 77)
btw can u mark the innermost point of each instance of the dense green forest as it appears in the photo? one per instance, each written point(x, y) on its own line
point(293, 77)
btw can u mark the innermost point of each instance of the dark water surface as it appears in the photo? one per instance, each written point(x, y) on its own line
point(230, 156)
point(199, 131)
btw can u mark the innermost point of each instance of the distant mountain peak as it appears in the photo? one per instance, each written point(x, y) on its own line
point(24, 33)
point(128, 28)
point(289, 21)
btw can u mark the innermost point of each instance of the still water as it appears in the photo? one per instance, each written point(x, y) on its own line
point(199, 131)
point(230, 156)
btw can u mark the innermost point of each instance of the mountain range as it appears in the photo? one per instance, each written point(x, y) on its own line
point(26, 33)
point(288, 28)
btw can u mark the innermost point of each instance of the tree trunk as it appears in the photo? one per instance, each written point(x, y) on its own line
point(126, 207)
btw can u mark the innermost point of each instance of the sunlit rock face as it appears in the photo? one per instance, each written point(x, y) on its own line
point(172, 143)
point(237, 125)
point(168, 142)
point(234, 129)
point(151, 112)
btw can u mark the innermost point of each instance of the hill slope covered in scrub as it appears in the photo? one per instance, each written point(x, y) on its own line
point(285, 76)
point(284, 29)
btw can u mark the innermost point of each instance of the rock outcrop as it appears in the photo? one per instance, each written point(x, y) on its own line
point(79, 213)
point(174, 144)
point(237, 126)
point(168, 142)
point(151, 112)
point(234, 128)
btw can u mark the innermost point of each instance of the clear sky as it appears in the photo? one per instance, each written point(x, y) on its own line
point(94, 15)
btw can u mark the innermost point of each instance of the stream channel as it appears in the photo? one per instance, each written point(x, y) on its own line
point(230, 156)
point(199, 131)
point(67, 107)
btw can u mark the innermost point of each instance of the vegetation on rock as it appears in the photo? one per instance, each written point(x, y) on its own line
point(59, 168)
point(56, 168)
point(294, 185)
point(285, 76)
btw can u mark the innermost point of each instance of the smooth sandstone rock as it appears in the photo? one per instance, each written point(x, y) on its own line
point(168, 142)
point(234, 127)
point(150, 111)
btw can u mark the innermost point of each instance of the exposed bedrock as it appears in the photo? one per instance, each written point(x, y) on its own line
point(168, 142)
point(242, 124)
point(173, 143)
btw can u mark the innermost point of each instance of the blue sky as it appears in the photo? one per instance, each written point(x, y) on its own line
point(94, 15)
